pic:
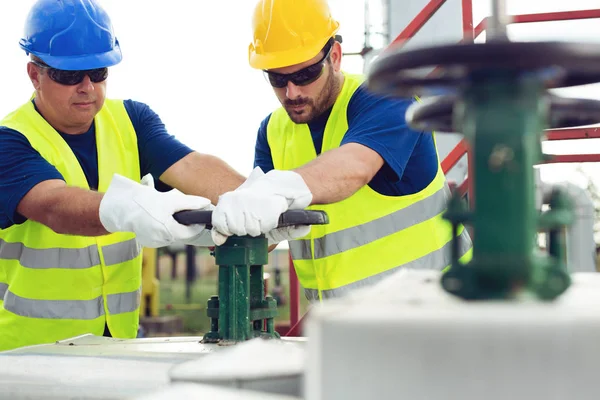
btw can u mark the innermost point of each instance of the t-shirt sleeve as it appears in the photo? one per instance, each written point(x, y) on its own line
point(262, 151)
point(158, 150)
point(378, 122)
point(21, 168)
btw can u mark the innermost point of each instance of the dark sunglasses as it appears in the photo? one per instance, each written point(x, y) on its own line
point(304, 77)
point(70, 78)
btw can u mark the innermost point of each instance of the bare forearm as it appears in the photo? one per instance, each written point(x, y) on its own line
point(202, 175)
point(329, 182)
point(65, 210)
point(338, 174)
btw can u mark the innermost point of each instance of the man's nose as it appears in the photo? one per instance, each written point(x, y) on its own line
point(292, 91)
point(86, 85)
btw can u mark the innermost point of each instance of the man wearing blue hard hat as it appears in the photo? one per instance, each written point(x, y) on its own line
point(74, 210)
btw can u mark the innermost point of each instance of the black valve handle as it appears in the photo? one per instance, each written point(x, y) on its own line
point(560, 64)
point(436, 113)
point(288, 218)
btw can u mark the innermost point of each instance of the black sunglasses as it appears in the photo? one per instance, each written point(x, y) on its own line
point(70, 78)
point(304, 77)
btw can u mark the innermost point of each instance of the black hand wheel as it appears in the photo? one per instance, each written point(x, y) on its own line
point(435, 113)
point(558, 64)
point(288, 218)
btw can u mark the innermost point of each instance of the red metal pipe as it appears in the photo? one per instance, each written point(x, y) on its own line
point(556, 16)
point(294, 296)
point(417, 23)
point(570, 134)
point(574, 158)
point(455, 155)
point(543, 17)
point(467, 20)
point(480, 28)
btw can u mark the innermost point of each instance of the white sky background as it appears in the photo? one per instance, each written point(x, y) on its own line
point(188, 61)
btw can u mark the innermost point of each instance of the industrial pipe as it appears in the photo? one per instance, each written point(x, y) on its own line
point(581, 248)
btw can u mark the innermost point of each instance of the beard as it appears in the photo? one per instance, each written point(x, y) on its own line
point(313, 108)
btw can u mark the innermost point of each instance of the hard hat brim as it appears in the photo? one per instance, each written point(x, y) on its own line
point(89, 61)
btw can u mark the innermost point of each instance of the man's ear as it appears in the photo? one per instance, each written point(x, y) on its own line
point(34, 75)
point(336, 56)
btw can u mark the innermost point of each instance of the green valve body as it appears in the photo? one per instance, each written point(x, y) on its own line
point(503, 115)
point(241, 311)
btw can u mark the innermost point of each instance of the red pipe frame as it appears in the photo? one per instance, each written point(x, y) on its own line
point(571, 134)
point(417, 23)
point(455, 155)
point(573, 158)
point(544, 17)
point(467, 20)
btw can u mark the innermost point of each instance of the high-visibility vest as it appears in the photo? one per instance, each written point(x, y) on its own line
point(369, 235)
point(55, 286)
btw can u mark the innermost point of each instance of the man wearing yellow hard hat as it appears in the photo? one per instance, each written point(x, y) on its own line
point(337, 147)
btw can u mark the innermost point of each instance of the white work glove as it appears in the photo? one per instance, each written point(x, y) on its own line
point(254, 208)
point(286, 233)
point(204, 238)
point(128, 206)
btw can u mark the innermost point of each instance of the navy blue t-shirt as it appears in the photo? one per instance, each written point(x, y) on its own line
point(377, 122)
point(22, 167)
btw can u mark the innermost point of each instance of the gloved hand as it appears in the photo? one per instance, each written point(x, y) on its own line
point(254, 208)
point(128, 206)
point(287, 233)
point(204, 238)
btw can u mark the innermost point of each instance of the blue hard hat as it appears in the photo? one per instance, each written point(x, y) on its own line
point(71, 35)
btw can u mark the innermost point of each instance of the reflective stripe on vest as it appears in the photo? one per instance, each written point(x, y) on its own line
point(58, 258)
point(347, 239)
point(439, 257)
point(3, 290)
point(71, 309)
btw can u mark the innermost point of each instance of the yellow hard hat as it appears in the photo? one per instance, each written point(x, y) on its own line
point(288, 32)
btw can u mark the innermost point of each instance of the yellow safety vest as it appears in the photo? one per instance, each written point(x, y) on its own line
point(55, 286)
point(369, 235)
